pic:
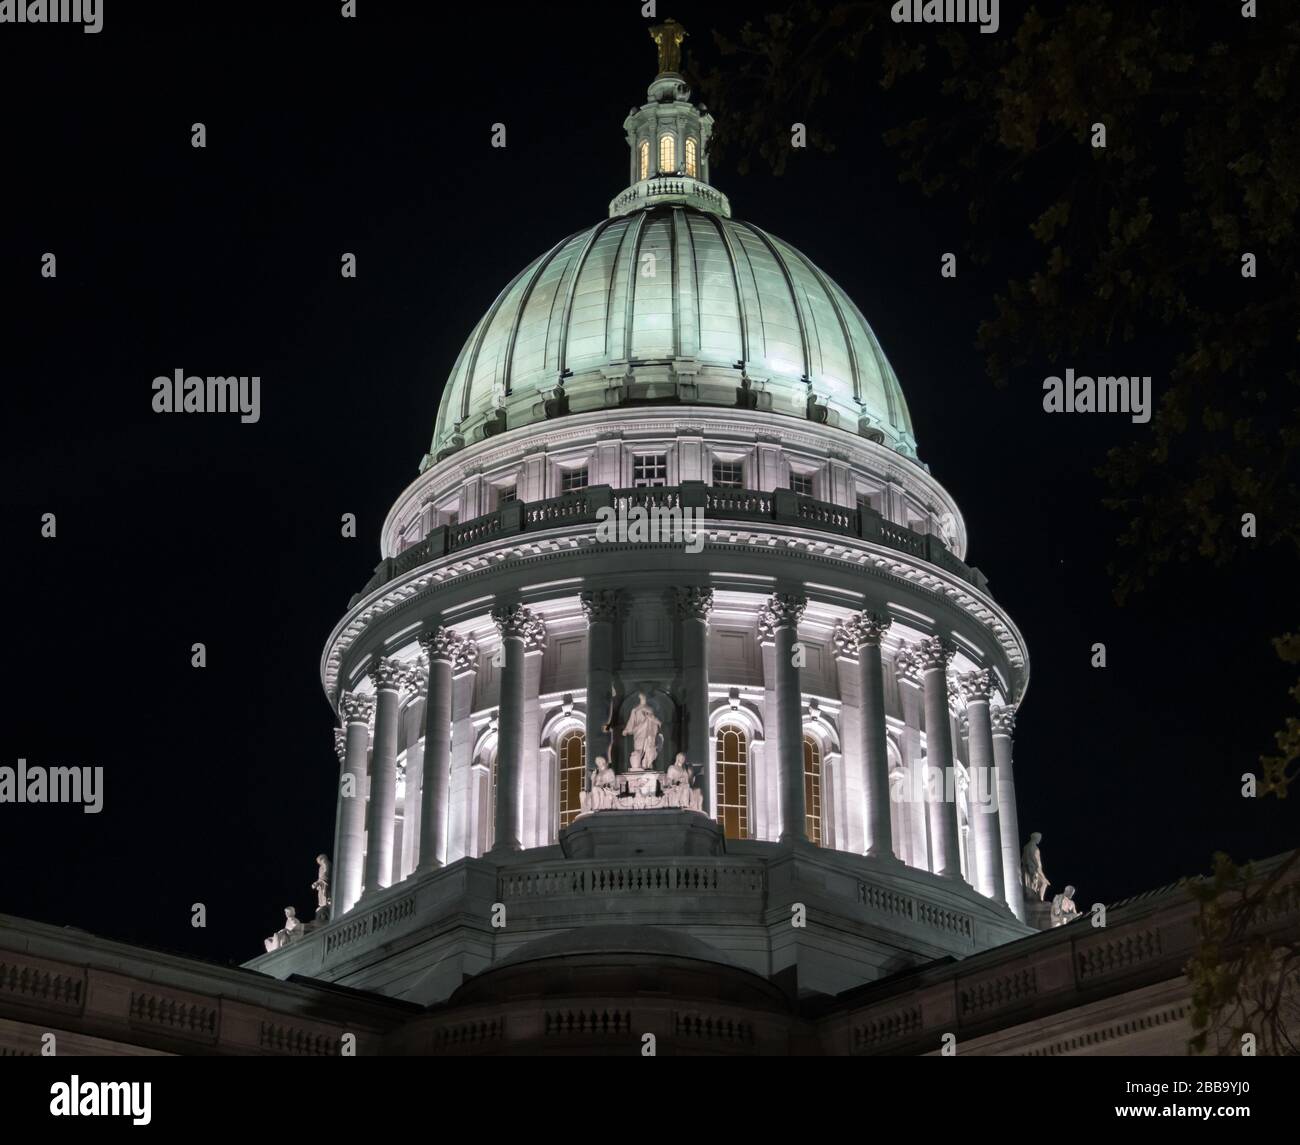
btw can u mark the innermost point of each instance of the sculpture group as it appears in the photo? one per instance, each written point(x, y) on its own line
point(294, 928)
point(1036, 882)
point(642, 788)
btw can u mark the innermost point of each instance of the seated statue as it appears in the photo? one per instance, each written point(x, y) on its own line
point(603, 795)
point(679, 786)
point(292, 929)
point(1063, 908)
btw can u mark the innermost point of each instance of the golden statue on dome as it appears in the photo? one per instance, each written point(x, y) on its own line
point(669, 36)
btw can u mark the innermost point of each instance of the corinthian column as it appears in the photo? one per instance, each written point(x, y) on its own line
point(440, 646)
point(351, 848)
point(693, 608)
point(862, 634)
point(519, 630)
point(601, 609)
point(781, 618)
point(977, 688)
point(914, 802)
point(1004, 726)
point(380, 823)
point(932, 658)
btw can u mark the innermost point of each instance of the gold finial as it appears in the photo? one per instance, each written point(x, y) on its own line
point(669, 36)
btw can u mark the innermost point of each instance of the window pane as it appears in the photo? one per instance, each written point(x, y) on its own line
point(728, 474)
point(572, 480)
point(732, 793)
point(690, 158)
point(650, 469)
point(667, 153)
point(573, 775)
point(812, 789)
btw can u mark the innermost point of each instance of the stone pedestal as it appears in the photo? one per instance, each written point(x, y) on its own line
point(655, 834)
point(1038, 915)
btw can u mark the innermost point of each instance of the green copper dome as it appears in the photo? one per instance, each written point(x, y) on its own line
point(671, 300)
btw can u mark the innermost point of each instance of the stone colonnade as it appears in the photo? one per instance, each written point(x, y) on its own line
point(367, 742)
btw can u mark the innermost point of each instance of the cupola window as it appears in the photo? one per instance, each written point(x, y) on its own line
point(667, 154)
point(691, 166)
point(644, 161)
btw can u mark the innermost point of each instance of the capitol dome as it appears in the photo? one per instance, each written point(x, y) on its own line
point(671, 300)
point(671, 636)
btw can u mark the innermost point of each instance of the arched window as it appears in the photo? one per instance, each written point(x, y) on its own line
point(644, 160)
point(812, 789)
point(691, 165)
point(733, 782)
point(573, 773)
point(667, 154)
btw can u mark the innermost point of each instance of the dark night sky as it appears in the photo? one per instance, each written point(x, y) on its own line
point(372, 136)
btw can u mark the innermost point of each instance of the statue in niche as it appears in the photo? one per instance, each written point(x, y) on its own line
point(679, 786)
point(643, 726)
point(322, 887)
point(292, 930)
point(1063, 908)
point(603, 795)
point(1032, 875)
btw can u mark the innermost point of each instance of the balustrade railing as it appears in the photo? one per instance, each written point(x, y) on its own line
point(781, 506)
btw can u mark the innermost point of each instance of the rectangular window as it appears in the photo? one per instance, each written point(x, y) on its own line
point(505, 494)
point(729, 474)
point(572, 480)
point(801, 483)
point(650, 469)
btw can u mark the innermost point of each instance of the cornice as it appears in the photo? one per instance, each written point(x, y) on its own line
point(890, 567)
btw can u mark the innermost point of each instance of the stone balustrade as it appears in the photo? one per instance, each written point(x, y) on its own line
point(780, 507)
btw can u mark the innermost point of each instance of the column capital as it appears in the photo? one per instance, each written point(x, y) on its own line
point(356, 708)
point(861, 630)
point(1004, 720)
point(934, 654)
point(439, 644)
point(388, 675)
point(514, 621)
point(906, 665)
point(976, 687)
point(601, 606)
point(782, 610)
point(466, 657)
point(417, 677)
point(693, 603)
